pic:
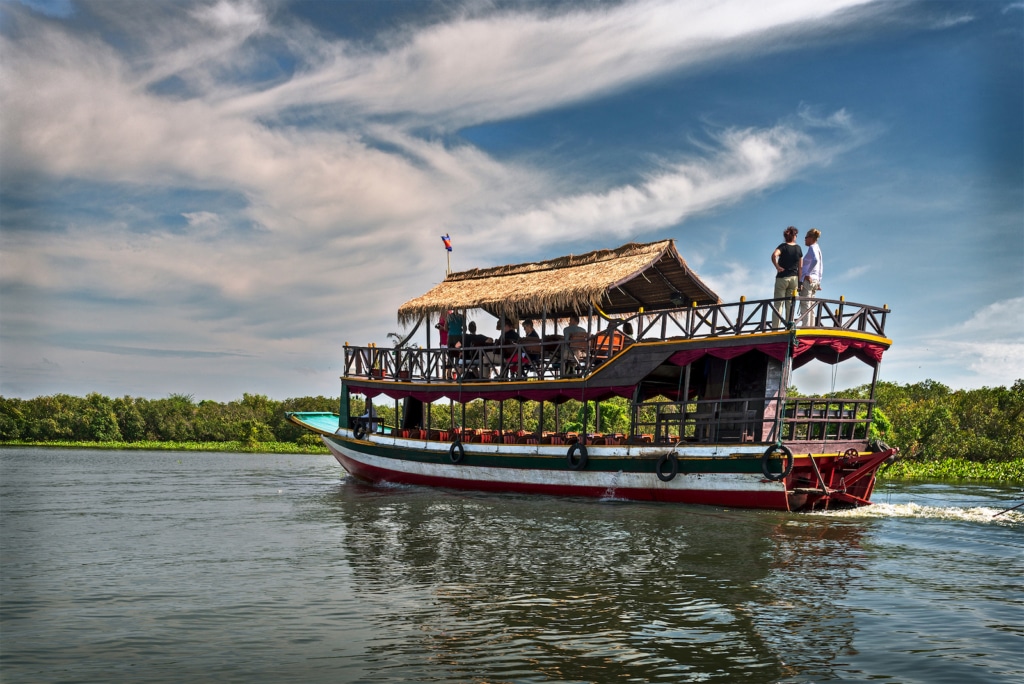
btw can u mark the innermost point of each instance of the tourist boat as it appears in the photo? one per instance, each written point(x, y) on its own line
point(705, 383)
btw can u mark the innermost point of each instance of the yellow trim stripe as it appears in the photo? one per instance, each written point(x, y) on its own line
point(849, 334)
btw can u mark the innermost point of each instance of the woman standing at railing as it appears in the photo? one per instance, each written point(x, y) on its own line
point(788, 261)
point(811, 270)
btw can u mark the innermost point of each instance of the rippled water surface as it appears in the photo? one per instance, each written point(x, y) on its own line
point(170, 567)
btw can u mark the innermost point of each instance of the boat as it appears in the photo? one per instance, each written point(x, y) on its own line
point(704, 387)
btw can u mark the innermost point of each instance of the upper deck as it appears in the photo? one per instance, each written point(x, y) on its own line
point(659, 335)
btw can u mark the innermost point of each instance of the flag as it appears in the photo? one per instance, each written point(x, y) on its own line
point(447, 242)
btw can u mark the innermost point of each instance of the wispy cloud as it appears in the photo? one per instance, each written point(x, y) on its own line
point(950, 21)
point(986, 349)
point(745, 162)
point(497, 65)
point(311, 149)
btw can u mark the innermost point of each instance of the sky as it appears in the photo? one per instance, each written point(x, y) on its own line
point(212, 198)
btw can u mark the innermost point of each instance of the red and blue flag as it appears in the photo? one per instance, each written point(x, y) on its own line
point(447, 242)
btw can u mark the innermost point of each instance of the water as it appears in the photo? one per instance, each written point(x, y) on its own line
point(170, 567)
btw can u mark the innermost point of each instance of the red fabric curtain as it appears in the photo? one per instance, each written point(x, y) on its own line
point(827, 349)
point(834, 350)
point(776, 350)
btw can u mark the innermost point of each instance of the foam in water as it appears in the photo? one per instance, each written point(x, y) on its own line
point(978, 514)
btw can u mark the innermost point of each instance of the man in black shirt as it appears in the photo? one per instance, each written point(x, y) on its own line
point(788, 260)
point(473, 339)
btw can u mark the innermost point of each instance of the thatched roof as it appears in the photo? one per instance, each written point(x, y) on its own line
point(616, 281)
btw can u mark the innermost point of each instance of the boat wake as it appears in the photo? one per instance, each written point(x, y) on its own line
point(977, 514)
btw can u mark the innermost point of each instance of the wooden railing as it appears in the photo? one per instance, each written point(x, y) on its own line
point(744, 420)
point(721, 421)
point(822, 419)
point(556, 357)
point(759, 316)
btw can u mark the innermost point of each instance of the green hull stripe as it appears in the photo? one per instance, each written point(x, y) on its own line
point(597, 463)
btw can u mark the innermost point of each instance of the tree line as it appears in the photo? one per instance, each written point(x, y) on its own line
point(177, 418)
point(926, 420)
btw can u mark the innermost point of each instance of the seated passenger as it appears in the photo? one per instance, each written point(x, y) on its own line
point(510, 337)
point(471, 363)
point(531, 341)
point(573, 328)
point(507, 340)
point(472, 339)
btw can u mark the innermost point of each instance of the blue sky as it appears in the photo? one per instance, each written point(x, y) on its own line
point(211, 198)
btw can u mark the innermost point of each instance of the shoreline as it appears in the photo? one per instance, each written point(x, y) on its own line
point(236, 447)
point(945, 469)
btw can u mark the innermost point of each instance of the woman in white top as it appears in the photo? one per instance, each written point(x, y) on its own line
point(810, 274)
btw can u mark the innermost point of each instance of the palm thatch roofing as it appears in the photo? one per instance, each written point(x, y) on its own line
point(616, 281)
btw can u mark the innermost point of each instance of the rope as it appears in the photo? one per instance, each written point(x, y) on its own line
point(831, 395)
point(721, 395)
point(1012, 508)
point(780, 408)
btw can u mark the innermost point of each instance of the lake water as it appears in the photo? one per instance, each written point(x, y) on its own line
point(175, 566)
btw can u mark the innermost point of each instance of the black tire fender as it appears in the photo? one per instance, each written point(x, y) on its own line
point(673, 470)
point(577, 463)
point(359, 429)
point(768, 454)
point(456, 452)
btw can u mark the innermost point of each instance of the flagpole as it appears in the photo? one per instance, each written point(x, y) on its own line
point(448, 248)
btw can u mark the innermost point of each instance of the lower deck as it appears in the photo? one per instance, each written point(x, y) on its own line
point(748, 475)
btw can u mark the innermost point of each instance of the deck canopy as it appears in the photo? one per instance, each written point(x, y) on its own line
point(615, 281)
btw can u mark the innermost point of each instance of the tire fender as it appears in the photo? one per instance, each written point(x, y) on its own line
point(673, 470)
point(771, 452)
point(456, 452)
point(580, 462)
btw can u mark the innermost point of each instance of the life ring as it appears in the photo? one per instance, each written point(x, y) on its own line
point(768, 454)
point(456, 452)
point(359, 429)
point(673, 461)
point(577, 463)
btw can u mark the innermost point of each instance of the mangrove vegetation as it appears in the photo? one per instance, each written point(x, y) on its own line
point(942, 433)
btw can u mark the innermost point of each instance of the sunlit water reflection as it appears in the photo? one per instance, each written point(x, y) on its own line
point(145, 566)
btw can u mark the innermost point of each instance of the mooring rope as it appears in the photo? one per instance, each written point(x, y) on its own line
point(780, 407)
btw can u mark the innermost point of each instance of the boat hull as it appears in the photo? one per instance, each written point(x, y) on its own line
point(708, 476)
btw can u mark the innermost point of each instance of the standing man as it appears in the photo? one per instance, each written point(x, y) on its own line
point(455, 323)
point(810, 272)
point(788, 260)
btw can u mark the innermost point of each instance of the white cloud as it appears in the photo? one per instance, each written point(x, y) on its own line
point(735, 280)
point(952, 20)
point(79, 108)
point(991, 343)
point(747, 161)
point(356, 196)
point(499, 65)
point(986, 349)
point(244, 16)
